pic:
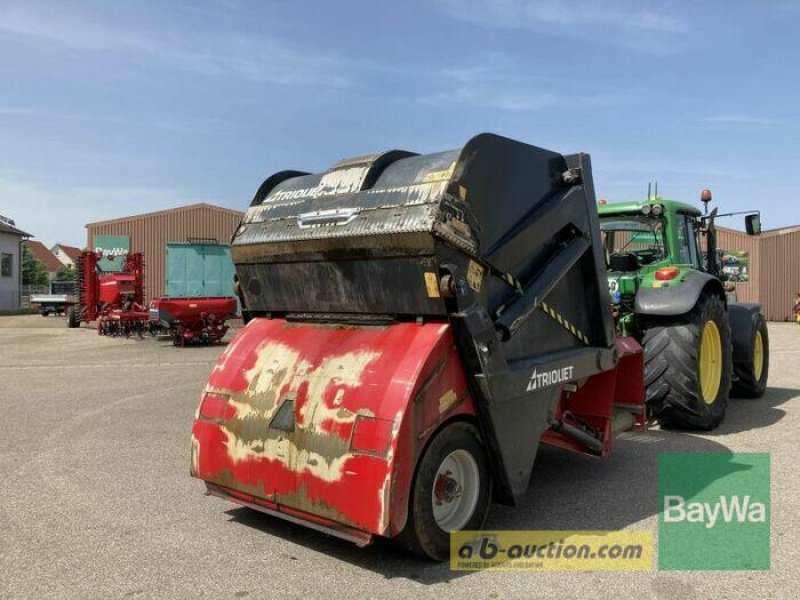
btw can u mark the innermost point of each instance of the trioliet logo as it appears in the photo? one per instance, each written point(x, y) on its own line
point(548, 378)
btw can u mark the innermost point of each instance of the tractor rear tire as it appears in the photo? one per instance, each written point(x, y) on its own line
point(686, 359)
point(73, 317)
point(751, 377)
point(459, 445)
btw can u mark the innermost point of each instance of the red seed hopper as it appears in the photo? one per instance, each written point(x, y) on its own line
point(192, 319)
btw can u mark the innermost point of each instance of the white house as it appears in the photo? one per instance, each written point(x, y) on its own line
point(67, 255)
point(11, 240)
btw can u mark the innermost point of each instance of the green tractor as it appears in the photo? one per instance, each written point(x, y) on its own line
point(667, 291)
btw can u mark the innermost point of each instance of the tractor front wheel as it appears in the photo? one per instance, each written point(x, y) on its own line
point(688, 366)
point(452, 490)
point(751, 377)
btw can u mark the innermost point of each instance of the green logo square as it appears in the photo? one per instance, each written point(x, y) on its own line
point(714, 511)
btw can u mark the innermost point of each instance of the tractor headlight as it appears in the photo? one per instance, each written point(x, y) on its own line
point(658, 209)
point(646, 210)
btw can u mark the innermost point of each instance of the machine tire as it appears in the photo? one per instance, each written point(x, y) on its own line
point(672, 348)
point(422, 534)
point(746, 384)
point(73, 317)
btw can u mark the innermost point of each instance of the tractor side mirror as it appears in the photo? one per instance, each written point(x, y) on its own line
point(752, 224)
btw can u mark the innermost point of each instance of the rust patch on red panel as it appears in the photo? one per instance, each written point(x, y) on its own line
point(329, 378)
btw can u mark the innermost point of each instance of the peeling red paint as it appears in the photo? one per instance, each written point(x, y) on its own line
point(335, 375)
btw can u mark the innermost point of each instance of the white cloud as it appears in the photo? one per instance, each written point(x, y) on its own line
point(261, 59)
point(562, 16)
point(495, 82)
point(55, 214)
point(175, 124)
point(487, 96)
point(54, 24)
point(655, 166)
point(740, 120)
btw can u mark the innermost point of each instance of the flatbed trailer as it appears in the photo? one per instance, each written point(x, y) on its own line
point(53, 304)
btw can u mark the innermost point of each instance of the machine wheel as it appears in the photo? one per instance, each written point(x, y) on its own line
point(73, 317)
point(688, 366)
point(452, 490)
point(751, 378)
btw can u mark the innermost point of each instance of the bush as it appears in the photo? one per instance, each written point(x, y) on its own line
point(33, 272)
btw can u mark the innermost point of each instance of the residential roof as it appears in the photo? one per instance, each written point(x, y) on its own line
point(188, 207)
point(43, 255)
point(6, 227)
point(70, 251)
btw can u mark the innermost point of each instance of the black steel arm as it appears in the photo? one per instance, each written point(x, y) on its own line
point(515, 314)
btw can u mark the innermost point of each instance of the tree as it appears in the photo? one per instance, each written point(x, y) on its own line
point(65, 273)
point(33, 272)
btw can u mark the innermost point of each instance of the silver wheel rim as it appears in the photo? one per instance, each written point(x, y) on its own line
point(455, 490)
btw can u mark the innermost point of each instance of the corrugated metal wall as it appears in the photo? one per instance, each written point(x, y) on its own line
point(774, 269)
point(151, 232)
point(780, 270)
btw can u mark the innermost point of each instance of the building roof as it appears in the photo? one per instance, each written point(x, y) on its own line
point(764, 233)
point(43, 255)
point(70, 251)
point(7, 226)
point(188, 207)
point(781, 230)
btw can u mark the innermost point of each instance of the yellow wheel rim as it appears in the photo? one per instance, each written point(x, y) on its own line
point(710, 362)
point(758, 356)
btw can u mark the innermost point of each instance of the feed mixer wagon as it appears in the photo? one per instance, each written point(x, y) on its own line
point(419, 324)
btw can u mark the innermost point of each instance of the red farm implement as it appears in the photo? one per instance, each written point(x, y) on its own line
point(115, 300)
point(189, 320)
point(419, 325)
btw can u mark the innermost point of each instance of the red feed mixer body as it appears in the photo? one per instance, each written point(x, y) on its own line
point(418, 325)
point(367, 401)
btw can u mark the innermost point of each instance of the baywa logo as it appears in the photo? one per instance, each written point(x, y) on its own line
point(715, 511)
point(729, 508)
point(550, 377)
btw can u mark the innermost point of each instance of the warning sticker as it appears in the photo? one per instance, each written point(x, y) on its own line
point(475, 276)
point(431, 284)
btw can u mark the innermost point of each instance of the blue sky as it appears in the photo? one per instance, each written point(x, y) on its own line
point(115, 108)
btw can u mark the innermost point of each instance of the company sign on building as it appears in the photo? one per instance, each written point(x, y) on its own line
point(114, 247)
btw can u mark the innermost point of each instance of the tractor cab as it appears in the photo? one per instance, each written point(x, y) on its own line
point(647, 244)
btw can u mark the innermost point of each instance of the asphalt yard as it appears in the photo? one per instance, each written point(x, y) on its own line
point(96, 499)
